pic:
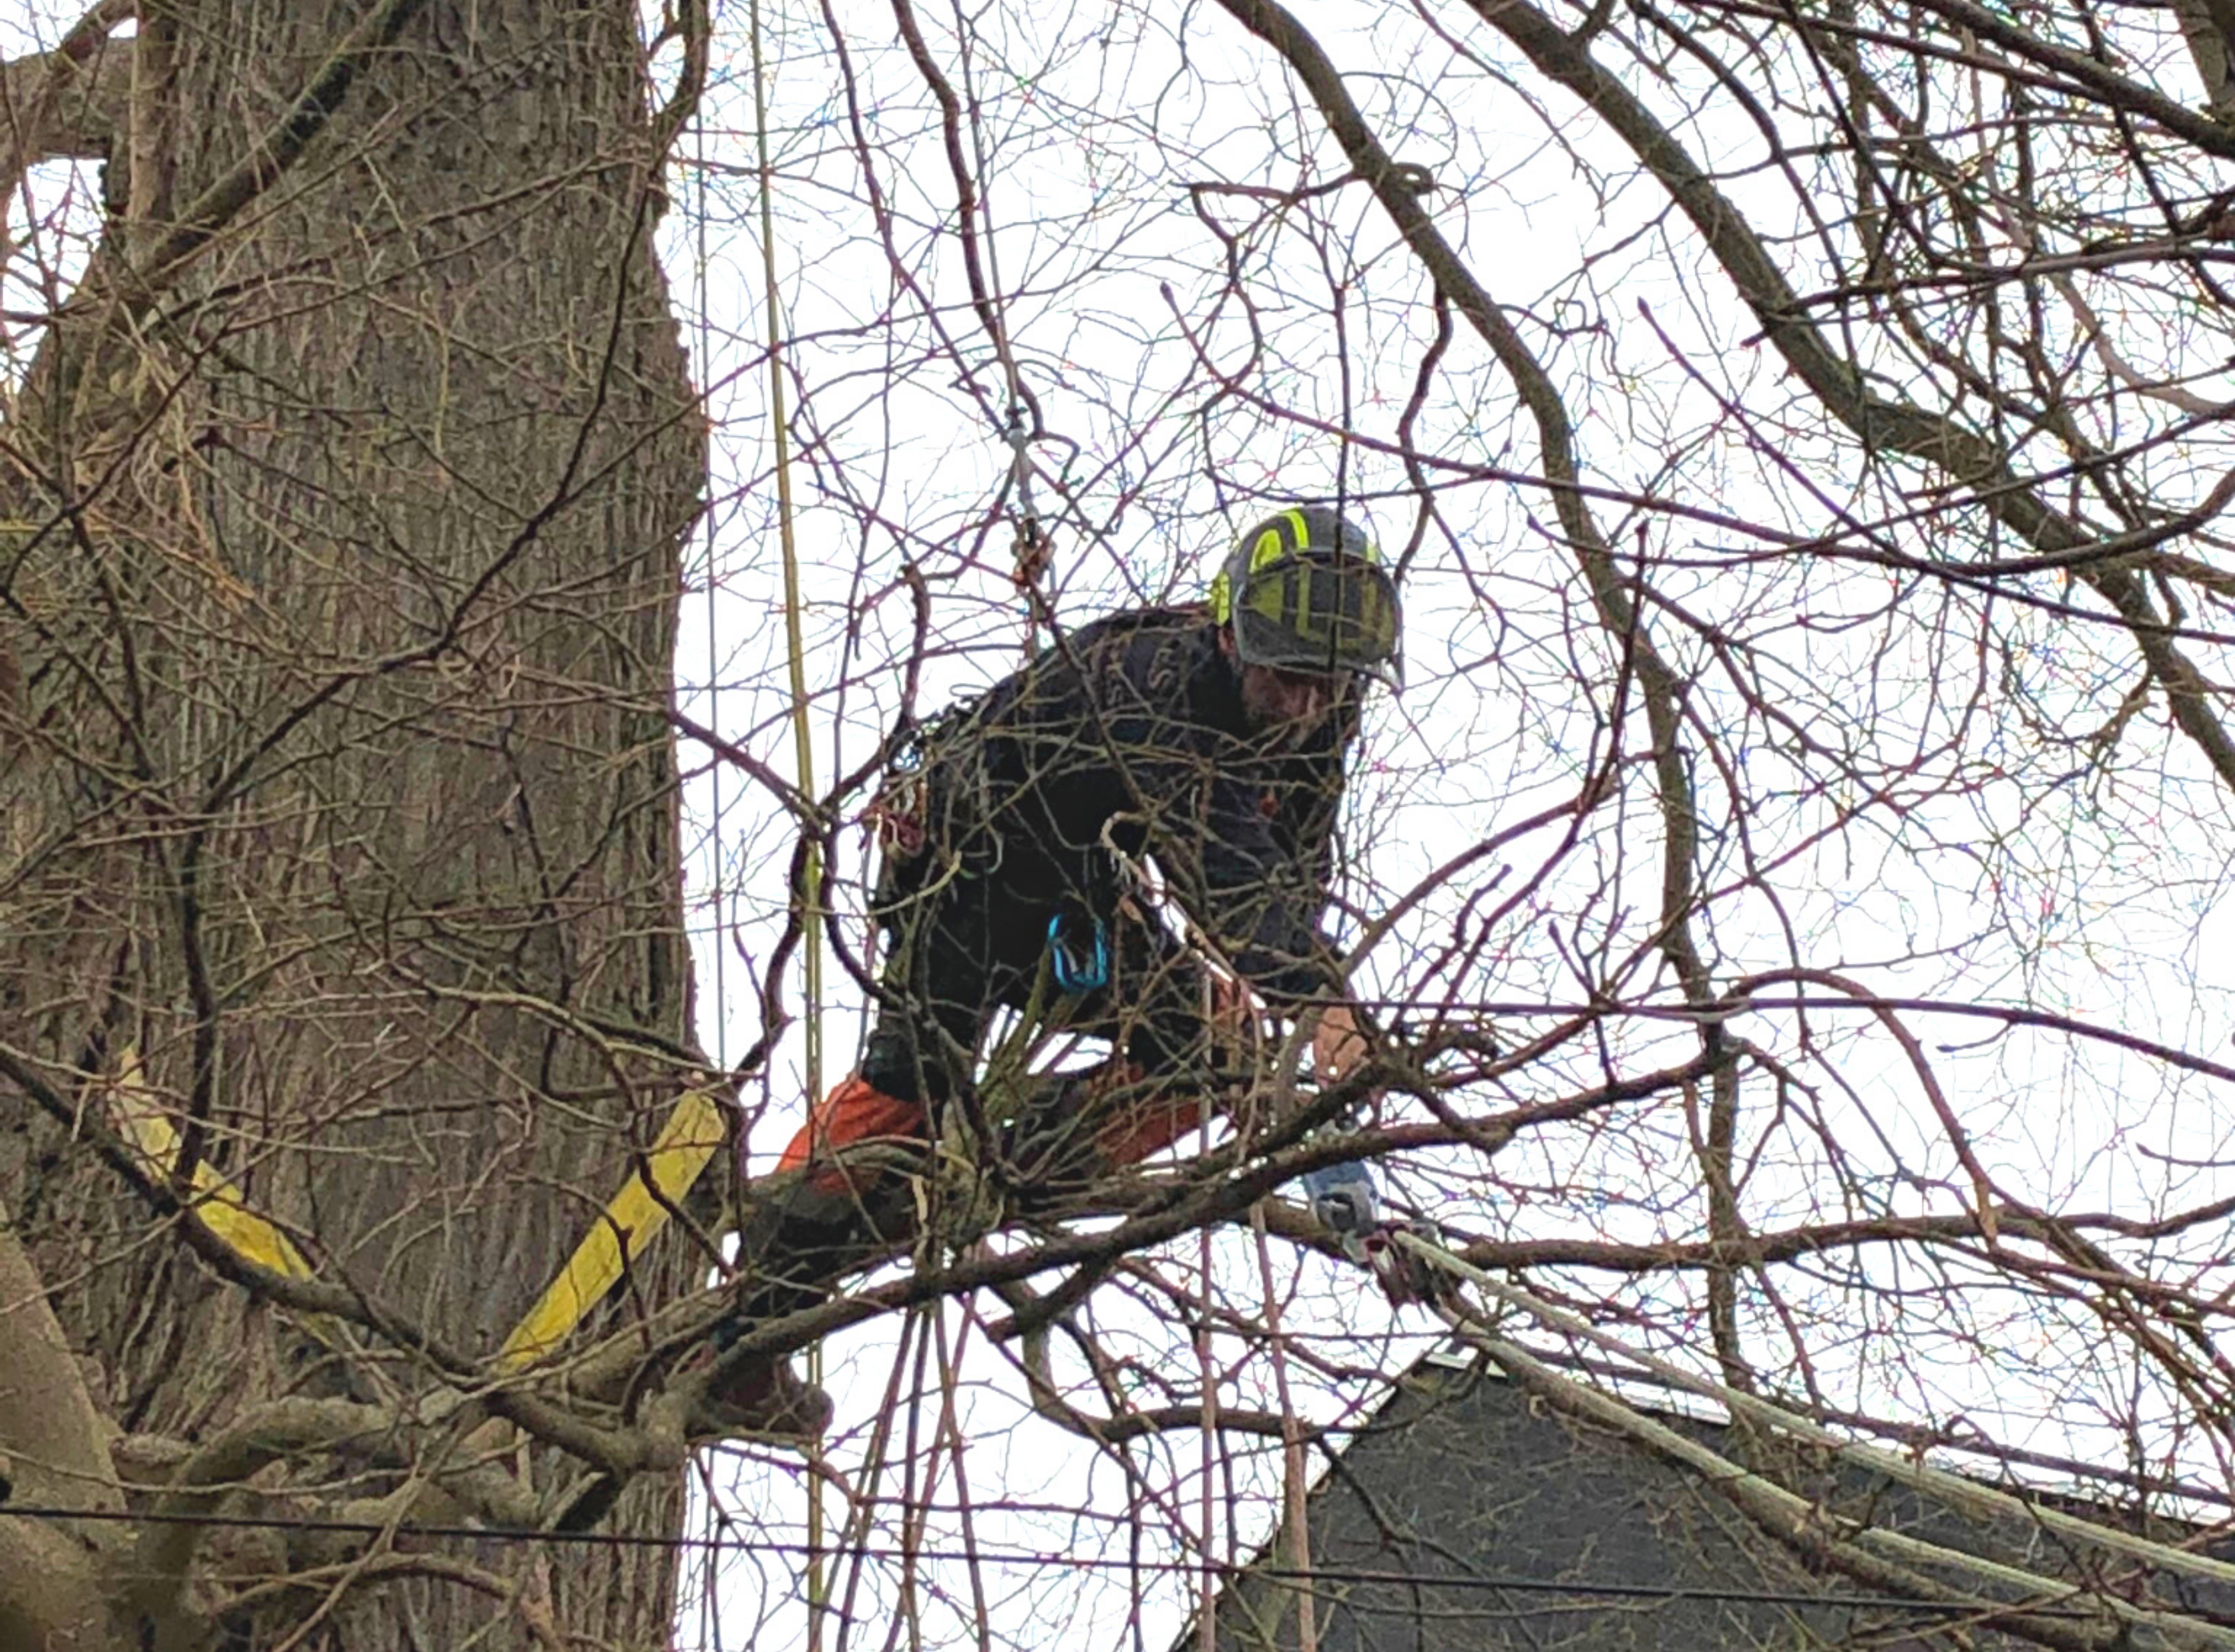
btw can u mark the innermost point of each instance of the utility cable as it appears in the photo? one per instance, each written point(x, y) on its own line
point(1038, 1559)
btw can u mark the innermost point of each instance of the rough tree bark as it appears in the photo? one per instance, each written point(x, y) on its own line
point(337, 588)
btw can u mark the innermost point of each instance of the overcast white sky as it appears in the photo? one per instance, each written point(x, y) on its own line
point(1964, 856)
point(2094, 897)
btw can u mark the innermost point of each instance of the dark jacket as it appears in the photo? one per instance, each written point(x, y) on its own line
point(1135, 723)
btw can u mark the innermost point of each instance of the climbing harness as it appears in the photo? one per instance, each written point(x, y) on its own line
point(216, 1203)
point(896, 814)
point(693, 1131)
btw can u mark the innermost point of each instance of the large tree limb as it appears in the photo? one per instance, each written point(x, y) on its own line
point(67, 104)
point(57, 1452)
point(1881, 422)
point(2208, 26)
point(1614, 597)
point(124, 283)
point(1874, 1555)
point(51, 1594)
point(285, 1429)
point(49, 1427)
point(216, 206)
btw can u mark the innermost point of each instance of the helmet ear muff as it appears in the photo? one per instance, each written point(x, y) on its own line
point(1222, 597)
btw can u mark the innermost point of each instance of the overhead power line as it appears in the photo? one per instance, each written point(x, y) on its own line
point(1567, 1587)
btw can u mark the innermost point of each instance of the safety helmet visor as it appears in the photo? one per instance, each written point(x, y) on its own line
point(1316, 613)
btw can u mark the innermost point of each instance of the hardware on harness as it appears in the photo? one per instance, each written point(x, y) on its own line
point(1081, 964)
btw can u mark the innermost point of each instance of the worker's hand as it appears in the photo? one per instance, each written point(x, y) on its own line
point(1337, 1047)
point(1348, 1205)
point(1404, 1276)
point(1233, 1016)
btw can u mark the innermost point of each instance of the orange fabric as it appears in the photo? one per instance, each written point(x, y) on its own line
point(855, 1110)
point(1147, 1125)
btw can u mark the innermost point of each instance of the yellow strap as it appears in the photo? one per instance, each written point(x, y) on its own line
point(687, 1142)
point(217, 1204)
point(685, 1145)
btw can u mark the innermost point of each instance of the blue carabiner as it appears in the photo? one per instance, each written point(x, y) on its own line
point(1078, 971)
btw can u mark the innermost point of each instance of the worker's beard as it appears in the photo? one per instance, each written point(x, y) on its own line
point(1285, 708)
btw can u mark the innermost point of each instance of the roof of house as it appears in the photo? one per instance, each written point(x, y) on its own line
point(1469, 1515)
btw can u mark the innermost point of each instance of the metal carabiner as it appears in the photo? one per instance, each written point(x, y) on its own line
point(1078, 969)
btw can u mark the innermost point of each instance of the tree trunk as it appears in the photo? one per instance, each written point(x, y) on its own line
point(334, 766)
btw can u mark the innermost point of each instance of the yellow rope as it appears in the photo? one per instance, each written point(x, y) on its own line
point(802, 745)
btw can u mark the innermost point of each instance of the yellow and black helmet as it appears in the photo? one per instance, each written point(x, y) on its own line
point(1306, 590)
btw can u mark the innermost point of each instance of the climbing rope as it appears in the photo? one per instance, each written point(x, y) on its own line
point(1033, 545)
point(803, 743)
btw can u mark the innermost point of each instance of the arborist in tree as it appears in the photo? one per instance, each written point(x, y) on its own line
point(1210, 739)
